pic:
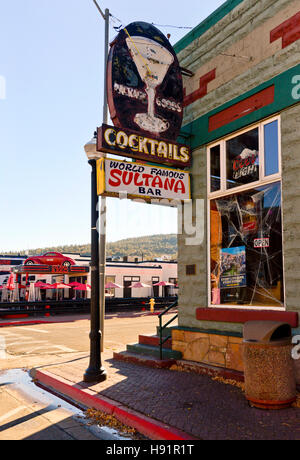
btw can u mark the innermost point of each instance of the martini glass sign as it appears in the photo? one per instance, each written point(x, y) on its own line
point(144, 83)
point(152, 61)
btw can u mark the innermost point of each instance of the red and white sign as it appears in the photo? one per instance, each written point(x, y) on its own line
point(141, 181)
point(5, 262)
point(262, 243)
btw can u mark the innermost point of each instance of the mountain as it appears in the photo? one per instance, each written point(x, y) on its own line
point(148, 247)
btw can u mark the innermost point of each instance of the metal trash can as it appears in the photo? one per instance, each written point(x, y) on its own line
point(270, 381)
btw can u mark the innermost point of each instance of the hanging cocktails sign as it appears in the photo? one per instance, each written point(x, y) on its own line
point(145, 98)
point(123, 142)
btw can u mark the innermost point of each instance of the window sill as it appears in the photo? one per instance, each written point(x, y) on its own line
point(238, 315)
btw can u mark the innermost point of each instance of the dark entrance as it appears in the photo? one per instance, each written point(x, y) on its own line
point(155, 279)
point(127, 289)
point(128, 281)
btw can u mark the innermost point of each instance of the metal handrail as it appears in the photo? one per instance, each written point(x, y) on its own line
point(162, 327)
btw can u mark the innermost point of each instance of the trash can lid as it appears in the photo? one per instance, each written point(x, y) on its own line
point(266, 331)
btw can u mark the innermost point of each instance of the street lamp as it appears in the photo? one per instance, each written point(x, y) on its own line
point(95, 372)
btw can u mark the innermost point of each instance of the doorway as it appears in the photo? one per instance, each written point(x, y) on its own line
point(128, 281)
point(155, 279)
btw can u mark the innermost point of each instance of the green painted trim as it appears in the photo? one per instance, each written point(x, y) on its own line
point(295, 331)
point(205, 25)
point(209, 331)
point(198, 129)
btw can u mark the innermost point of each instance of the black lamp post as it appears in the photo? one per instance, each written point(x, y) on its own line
point(95, 372)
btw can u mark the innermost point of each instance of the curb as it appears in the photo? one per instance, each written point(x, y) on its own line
point(27, 323)
point(23, 323)
point(30, 322)
point(150, 428)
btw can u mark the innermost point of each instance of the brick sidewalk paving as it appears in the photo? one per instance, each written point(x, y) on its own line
point(195, 404)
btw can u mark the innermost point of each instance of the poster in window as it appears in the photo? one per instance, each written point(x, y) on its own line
point(233, 267)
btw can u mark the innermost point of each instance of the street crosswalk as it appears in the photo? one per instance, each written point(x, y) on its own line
point(24, 341)
point(2, 348)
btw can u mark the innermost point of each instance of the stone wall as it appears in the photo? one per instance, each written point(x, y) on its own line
point(193, 288)
point(216, 350)
point(239, 53)
point(290, 141)
point(240, 50)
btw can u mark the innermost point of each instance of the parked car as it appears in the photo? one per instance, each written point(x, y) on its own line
point(50, 258)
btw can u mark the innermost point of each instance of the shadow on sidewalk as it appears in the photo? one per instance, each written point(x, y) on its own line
point(196, 404)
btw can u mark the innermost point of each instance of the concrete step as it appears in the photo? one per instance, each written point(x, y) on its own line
point(179, 365)
point(166, 332)
point(153, 341)
point(143, 360)
point(153, 351)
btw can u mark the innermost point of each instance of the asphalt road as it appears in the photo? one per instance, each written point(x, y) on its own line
point(41, 344)
point(28, 412)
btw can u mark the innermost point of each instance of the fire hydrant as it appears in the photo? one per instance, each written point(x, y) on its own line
point(152, 303)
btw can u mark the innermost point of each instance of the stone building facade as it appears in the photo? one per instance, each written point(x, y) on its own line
point(242, 118)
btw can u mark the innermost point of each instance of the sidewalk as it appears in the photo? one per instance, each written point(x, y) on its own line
point(170, 405)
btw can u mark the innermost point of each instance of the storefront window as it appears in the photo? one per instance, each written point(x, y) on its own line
point(111, 292)
point(246, 248)
point(246, 158)
point(246, 259)
point(215, 168)
point(242, 160)
point(271, 148)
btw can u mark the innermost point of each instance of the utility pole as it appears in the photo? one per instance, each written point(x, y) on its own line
point(95, 371)
point(102, 250)
point(102, 237)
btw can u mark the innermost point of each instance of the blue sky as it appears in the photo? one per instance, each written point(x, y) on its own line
point(51, 57)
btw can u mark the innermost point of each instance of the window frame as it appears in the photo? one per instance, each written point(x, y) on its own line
point(263, 179)
point(223, 192)
point(112, 279)
point(132, 279)
point(156, 280)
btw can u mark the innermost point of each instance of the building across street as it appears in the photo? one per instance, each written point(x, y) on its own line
point(132, 277)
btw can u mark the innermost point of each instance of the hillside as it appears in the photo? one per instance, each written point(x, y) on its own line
point(148, 247)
